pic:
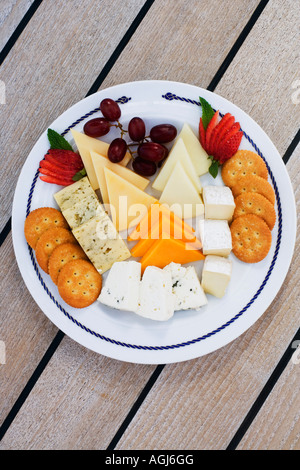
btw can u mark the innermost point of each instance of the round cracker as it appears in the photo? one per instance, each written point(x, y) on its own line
point(255, 203)
point(61, 255)
point(242, 164)
point(50, 239)
point(39, 220)
point(79, 283)
point(255, 184)
point(251, 238)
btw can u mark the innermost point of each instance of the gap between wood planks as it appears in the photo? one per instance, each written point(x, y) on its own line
point(59, 336)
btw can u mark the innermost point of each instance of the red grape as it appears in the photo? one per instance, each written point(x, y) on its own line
point(117, 150)
point(136, 129)
point(152, 151)
point(144, 167)
point(110, 109)
point(163, 133)
point(96, 127)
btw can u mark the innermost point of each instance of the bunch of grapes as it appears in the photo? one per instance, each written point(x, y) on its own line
point(150, 150)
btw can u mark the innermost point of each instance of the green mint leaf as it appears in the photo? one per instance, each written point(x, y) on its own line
point(214, 168)
point(207, 112)
point(80, 174)
point(57, 141)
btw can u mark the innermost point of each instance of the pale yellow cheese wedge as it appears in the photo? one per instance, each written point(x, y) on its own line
point(199, 157)
point(85, 145)
point(181, 195)
point(128, 204)
point(177, 153)
point(100, 163)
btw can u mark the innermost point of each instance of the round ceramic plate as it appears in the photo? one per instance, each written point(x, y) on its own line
point(189, 334)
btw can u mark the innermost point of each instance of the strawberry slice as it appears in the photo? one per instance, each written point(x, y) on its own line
point(44, 164)
point(219, 131)
point(228, 134)
point(230, 146)
point(65, 156)
point(66, 166)
point(202, 133)
point(56, 180)
point(212, 124)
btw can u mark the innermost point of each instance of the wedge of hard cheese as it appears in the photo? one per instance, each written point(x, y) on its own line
point(85, 145)
point(198, 155)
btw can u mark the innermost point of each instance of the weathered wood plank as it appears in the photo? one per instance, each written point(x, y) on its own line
point(182, 41)
point(11, 13)
point(277, 426)
point(52, 66)
point(78, 401)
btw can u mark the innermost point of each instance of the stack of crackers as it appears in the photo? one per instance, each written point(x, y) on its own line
point(59, 255)
point(254, 217)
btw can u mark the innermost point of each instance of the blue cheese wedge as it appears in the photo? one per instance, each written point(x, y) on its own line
point(101, 242)
point(187, 290)
point(122, 286)
point(156, 300)
point(216, 275)
point(82, 211)
point(74, 193)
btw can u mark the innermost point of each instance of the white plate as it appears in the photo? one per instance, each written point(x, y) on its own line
point(190, 334)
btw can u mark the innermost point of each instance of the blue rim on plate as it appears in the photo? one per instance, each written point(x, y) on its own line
point(168, 96)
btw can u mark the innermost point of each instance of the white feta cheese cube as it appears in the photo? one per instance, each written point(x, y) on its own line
point(122, 286)
point(215, 236)
point(156, 300)
point(218, 202)
point(187, 290)
point(216, 275)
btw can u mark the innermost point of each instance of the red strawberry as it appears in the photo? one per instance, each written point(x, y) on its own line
point(44, 164)
point(67, 166)
point(65, 156)
point(56, 180)
point(202, 133)
point(226, 122)
point(212, 124)
point(229, 146)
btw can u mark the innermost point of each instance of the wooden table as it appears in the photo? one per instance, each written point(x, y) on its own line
point(55, 394)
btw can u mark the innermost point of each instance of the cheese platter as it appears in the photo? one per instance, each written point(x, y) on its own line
point(198, 281)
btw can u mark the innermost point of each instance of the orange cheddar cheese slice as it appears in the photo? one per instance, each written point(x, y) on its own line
point(165, 251)
point(158, 213)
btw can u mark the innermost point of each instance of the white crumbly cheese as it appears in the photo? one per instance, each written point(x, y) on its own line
point(72, 194)
point(156, 300)
point(216, 275)
point(101, 242)
point(82, 210)
point(187, 290)
point(122, 286)
point(215, 236)
point(218, 202)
